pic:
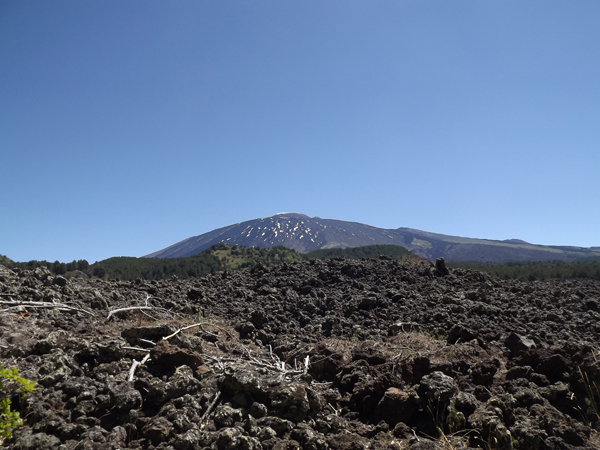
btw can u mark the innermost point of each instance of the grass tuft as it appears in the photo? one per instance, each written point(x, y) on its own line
point(592, 390)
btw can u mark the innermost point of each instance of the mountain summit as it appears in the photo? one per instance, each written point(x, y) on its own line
point(305, 234)
point(292, 230)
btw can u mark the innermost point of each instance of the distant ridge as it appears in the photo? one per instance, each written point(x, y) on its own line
point(305, 234)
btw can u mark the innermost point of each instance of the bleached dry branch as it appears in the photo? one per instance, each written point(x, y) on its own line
point(144, 309)
point(271, 362)
point(135, 365)
point(201, 325)
point(166, 338)
point(215, 359)
point(274, 364)
point(18, 305)
point(129, 308)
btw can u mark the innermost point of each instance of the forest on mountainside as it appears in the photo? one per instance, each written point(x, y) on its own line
point(586, 268)
point(228, 257)
point(216, 258)
point(368, 251)
point(232, 257)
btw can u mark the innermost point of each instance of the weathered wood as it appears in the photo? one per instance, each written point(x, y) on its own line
point(30, 304)
point(135, 365)
point(210, 407)
point(129, 308)
point(201, 325)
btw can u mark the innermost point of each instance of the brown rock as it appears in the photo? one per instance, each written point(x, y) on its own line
point(396, 406)
point(171, 356)
point(158, 430)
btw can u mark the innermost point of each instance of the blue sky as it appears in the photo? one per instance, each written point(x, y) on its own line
point(128, 126)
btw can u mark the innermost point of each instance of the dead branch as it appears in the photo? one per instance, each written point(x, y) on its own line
point(166, 338)
point(273, 363)
point(201, 325)
point(304, 349)
point(218, 361)
point(218, 328)
point(209, 333)
point(210, 407)
point(129, 308)
point(29, 304)
point(136, 349)
point(21, 309)
point(279, 369)
point(135, 365)
point(143, 309)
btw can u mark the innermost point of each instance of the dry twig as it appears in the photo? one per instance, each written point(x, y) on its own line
point(19, 305)
point(129, 308)
point(201, 325)
point(210, 407)
point(142, 309)
point(135, 365)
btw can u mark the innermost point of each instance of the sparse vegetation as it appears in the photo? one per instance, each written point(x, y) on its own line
point(11, 382)
point(592, 389)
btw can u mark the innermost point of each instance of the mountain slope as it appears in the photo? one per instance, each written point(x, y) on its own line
point(296, 231)
point(305, 234)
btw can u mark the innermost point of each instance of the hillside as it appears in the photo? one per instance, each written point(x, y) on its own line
point(230, 257)
point(306, 234)
point(227, 257)
point(368, 251)
point(218, 257)
point(327, 355)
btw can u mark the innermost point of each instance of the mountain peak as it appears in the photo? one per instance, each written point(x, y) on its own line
point(292, 214)
point(515, 241)
point(305, 234)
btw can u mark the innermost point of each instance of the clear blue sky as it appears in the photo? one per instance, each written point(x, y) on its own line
point(126, 126)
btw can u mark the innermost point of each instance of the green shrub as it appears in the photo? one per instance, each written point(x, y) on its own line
point(11, 380)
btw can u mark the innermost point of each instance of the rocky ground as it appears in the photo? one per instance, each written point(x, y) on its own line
point(319, 355)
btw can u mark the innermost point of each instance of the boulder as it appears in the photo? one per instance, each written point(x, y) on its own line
point(516, 343)
point(437, 387)
point(169, 356)
point(397, 406)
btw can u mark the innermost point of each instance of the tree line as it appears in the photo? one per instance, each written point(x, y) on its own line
point(216, 258)
point(586, 268)
point(56, 267)
point(368, 251)
point(232, 257)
